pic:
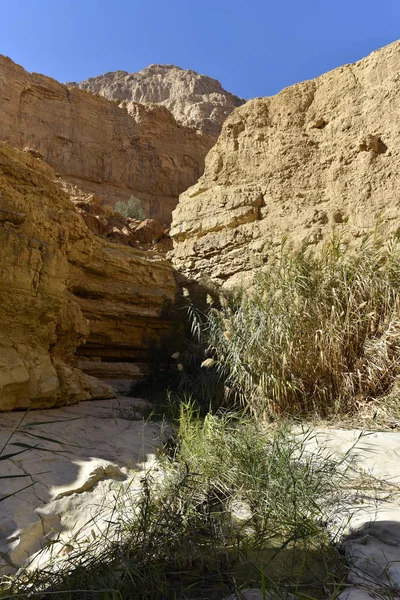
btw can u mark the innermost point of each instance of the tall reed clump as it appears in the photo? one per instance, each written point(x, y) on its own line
point(316, 333)
point(231, 505)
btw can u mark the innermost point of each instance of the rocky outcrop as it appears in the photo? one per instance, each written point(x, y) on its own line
point(194, 100)
point(110, 150)
point(103, 220)
point(320, 155)
point(66, 293)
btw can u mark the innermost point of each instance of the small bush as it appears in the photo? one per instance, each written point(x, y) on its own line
point(316, 334)
point(230, 505)
point(132, 208)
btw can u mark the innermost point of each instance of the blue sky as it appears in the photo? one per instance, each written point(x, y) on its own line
point(254, 47)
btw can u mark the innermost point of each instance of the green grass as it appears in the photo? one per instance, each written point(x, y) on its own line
point(231, 506)
point(316, 334)
point(234, 504)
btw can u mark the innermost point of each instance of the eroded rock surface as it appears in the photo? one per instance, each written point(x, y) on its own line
point(105, 221)
point(110, 150)
point(99, 451)
point(65, 291)
point(320, 155)
point(194, 100)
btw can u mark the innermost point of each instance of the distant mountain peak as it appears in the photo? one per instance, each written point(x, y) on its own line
point(195, 100)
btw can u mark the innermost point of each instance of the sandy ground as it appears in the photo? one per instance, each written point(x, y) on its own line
point(83, 455)
point(370, 515)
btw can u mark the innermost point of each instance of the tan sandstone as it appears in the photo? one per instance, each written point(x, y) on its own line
point(110, 150)
point(195, 100)
point(66, 293)
point(321, 155)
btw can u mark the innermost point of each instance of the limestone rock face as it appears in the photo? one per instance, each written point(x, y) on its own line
point(194, 100)
point(320, 155)
point(110, 150)
point(63, 289)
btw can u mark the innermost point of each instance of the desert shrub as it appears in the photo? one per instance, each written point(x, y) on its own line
point(230, 504)
point(316, 333)
point(132, 208)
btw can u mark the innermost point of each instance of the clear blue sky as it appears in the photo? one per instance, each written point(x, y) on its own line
point(254, 47)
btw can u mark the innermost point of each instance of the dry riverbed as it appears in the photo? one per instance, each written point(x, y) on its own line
point(84, 456)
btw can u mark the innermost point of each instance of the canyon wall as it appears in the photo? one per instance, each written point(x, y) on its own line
point(195, 100)
point(110, 150)
point(68, 297)
point(320, 155)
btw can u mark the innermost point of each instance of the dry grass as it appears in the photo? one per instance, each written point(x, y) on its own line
point(317, 334)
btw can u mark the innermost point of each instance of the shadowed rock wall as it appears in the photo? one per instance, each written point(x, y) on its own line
point(62, 288)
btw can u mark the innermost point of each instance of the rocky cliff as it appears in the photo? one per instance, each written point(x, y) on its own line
point(69, 298)
point(194, 100)
point(113, 151)
point(320, 155)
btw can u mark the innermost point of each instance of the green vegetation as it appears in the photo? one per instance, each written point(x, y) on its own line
point(234, 502)
point(231, 506)
point(132, 208)
point(317, 334)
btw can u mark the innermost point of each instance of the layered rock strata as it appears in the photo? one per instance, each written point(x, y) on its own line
point(62, 289)
point(195, 100)
point(110, 150)
point(320, 155)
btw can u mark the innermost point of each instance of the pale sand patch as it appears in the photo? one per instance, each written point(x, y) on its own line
point(103, 449)
point(370, 514)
